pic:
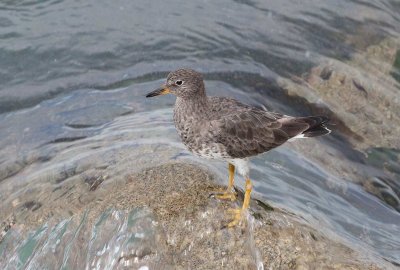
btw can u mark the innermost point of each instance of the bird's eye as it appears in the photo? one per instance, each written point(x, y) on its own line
point(179, 82)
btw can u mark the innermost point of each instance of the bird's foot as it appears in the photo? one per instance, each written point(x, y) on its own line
point(237, 217)
point(227, 195)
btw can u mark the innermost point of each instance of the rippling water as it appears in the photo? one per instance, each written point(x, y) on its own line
point(73, 76)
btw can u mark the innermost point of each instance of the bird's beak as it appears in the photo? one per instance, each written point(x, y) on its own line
point(163, 90)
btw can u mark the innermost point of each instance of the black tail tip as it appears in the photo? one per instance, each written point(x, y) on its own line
point(318, 128)
point(317, 131)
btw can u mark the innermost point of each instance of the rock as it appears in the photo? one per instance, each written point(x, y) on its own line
point(361, 95)
point(164, 218)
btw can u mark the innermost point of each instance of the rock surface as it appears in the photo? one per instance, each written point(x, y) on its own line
point(361, 95)
point(175, 224)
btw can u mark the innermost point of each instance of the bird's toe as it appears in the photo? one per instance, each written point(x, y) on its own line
point(226, 196)
point(237, 217)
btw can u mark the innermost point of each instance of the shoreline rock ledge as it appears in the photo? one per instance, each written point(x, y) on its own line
point(164, 218)
point(190, 233)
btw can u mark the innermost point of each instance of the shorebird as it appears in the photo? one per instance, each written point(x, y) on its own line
point(225, 129)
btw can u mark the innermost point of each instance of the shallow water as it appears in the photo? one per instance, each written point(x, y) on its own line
point(73, 76)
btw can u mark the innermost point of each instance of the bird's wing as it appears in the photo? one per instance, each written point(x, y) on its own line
point(253, 131)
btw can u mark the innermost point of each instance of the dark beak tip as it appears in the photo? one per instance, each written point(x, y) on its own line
point(152, 94)
point(157, 92)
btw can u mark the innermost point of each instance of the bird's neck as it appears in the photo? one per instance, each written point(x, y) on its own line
point(196, 106)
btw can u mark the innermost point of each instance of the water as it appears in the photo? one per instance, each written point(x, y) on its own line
point(73, 76)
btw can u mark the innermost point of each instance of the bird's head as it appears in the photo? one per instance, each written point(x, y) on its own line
point(184, 83)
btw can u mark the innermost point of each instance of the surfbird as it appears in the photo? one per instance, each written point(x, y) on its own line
point(225, 129)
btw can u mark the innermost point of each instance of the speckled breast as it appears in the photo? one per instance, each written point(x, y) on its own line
point(197, 136)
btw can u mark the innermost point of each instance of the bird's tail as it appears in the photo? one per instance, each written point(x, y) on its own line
point(317, 127)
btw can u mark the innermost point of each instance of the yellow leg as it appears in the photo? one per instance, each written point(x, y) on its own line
point(231, 176)
point(229, 194)
point(246, 202)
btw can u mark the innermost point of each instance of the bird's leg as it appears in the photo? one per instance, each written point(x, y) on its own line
point(229, 193)
point(246, 202)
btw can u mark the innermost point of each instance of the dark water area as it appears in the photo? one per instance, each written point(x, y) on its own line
point(73, 76)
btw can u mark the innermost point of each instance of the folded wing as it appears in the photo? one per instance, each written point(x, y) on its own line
point(253, 131)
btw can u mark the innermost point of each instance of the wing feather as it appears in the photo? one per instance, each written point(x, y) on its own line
point(247, 131)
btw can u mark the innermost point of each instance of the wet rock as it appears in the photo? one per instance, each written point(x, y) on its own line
point(361, 95)
point(197, 238)
point(164, 218)
point(386, 189)
point(32, 205)
point(396, 67)
point(6, 226)
point(93, 181)
point(10, 168)
point(362, 98)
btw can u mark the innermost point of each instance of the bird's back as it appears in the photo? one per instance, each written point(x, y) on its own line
point(236, 130)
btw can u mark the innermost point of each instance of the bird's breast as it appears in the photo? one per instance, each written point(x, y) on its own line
point(198, 135)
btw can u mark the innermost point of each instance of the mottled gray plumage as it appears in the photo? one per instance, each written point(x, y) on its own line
point(223, 127)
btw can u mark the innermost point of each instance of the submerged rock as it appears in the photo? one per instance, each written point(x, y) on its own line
point(164, 218)
point(361, 95)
